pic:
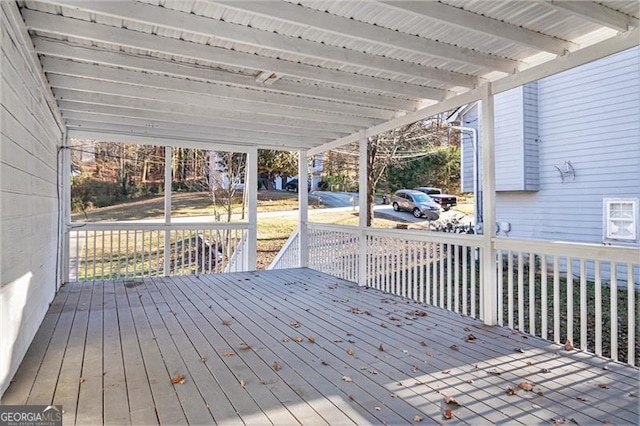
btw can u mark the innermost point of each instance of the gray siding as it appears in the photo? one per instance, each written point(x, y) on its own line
point(531, 155)
point(508, 140)
point(588, 116)
point(28, 197)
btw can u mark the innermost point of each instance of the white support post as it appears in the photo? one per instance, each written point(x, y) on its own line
point(168, 158)
point(363, 179)
point(303, 210)
point(489, 277)
point(251, 186)
point(65, 174)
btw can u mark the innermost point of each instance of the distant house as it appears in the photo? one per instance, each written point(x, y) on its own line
point(567, 154)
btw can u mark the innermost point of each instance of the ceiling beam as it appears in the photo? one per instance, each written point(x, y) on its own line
point(97, 72)
point(310, 18)
point(208, 104)
point(467, 20)
point(188, 22)
point(248, 134)
point(596, 12)
point(188, 134)
point(122, 37)
point(129, 116)
point(148, 64)
point(203, 113)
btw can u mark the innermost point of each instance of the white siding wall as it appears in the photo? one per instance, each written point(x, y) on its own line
point(590, 117)
point(28, 198)
point(509, 136)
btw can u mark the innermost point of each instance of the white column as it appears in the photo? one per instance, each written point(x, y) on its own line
point(168, 157)
point(489, 278)
point(251, 186)
point(362, 203)
point(65, 219)
point(303, 210)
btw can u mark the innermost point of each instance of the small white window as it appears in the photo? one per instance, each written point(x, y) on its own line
point(620, 219)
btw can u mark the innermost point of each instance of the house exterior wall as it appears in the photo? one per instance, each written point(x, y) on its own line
point(587, 116)
point(30, 138)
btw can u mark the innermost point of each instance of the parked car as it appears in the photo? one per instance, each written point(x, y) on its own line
point(446, 201)
point(292, 185)
point(416, 202)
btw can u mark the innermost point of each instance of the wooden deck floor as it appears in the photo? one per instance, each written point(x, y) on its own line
point(299, 347)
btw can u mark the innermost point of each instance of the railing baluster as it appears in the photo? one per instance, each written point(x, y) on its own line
point(598, 307)
point(570, 302)
point(520, 291)
point(473, 284)
point(556, 300)
point(102, 257)
point(532, 293)
point(449, 291)
point(631, 316)
point(441, 274)
point(544, 297)
point(510, 288)
point(456, 272)
point(500, 254)
point(583, 305)
point(465, 265)
point(613, 301)
point(86, 257)
point(135, 253)
point(421, 272)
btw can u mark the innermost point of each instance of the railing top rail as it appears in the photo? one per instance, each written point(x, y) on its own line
point(283, 251)
point(153, 226)
point(575, 250)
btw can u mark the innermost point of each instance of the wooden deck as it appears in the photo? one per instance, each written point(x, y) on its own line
point(299, 347)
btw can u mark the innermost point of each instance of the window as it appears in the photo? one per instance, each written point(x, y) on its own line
point(621, 219)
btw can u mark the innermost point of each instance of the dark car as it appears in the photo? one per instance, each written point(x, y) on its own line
point(292, 185)
point(446, 201)
point(416, 202)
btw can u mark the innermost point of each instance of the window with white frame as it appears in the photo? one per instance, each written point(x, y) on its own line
point(620, 219)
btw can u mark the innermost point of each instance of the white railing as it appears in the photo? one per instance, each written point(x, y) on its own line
point(582, 293)
point(289, 254)
point(436, 268)
point(239, 259)
point(129, 250)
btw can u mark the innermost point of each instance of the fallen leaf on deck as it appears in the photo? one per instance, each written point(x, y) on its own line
point(295, 324)
point(454, 347)
point(312, 339)
point(417, 418)
point(202, 359)
point(580, 398)
point(558, 421)
point(606, 422)
point(494, 372)
point(347, 379)
point(540, 393)
point(429, 353)
point(418, 313)
point(603, 386)
point(178, 380)
point(376, 408)
point(226, 322)
point(446, 372)
point(529, 363)
point(351, 397)
point(285, 339)
point(297, 339)
point(470, 381)
point(568, 346)
point(276, 366)
point(241, 382)
point(526, 386)
point(470, 338)
point(350, 351)
point(324, 363)
point(228, 353)
point(519, 350)
point(467, 329)
point(423, 343)
point(450, 400)
point(448, 415)
point(393, 395)
point(245, 346)
point(511, 390)
point(574, 421)
point(414, 368)
point(545, 370)
point(81, 379)
point(381, 348)
point(383, 325)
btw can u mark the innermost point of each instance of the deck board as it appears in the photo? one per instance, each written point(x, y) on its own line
point(127, 339)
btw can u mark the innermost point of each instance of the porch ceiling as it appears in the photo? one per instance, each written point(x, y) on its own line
point(286, 74)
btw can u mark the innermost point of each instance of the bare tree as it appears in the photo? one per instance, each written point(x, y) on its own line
point(227, 172)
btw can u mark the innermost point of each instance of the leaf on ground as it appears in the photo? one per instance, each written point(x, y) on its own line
point(414, 368)
point(448, 415)
point(558, 421)
point(285, 339)
point(470, 381)
point(350, 351)
point(494, 372)
point(324, 363)
point(568, 346)
point(226, 322)
point(245, 346)
point(417, 418)
point(423, 343)
point(381, 348)
point(526, 386)
point(418, 313)
point(178, 380)
point(241, 383)
point(352, 398)
point(574, 421)
point(429, 353)
point(295, 324)
point(311, 339)
point(297, 339)
point(511, 390)
point(355, 311)
point(228, 353)
point(451, 400)
point(392, 318)
point(529, 363)
point(603, 386)
point(276, 366)
point(376, 408)
point(519, 350)
point(583, 399)
point(347, 379)
point(467, 329)
point(383, 325)
point(453, 347)
point(81, 380)
point(545, 370)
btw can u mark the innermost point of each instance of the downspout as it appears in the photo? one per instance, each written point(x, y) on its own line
point(477, 202)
